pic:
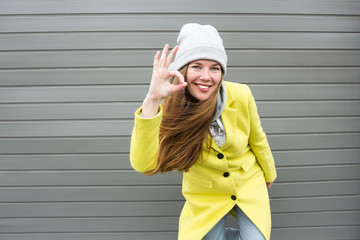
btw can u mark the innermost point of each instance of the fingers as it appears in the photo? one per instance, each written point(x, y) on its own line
point(269, 184)
point(162, 59)
point(156, 59)
point(161, 73)
point(177, 74)
point(165, 50)
point(160, 56)
point(171, 56)
point(179, 87)
point(182, 84)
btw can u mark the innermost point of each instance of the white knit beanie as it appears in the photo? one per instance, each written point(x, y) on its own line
point(199, 42)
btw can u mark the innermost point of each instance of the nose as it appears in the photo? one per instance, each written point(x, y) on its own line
point(205, 75)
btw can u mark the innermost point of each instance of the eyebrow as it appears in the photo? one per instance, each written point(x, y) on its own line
point(199, 63)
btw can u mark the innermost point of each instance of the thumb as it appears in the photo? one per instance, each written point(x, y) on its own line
point(178, 75)
point(178, 87)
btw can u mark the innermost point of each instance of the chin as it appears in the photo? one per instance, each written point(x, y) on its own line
point(202, 98)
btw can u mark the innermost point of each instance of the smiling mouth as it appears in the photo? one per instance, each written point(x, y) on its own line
point(203, 87)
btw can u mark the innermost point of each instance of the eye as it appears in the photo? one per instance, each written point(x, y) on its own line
point(216, 68)
point(195, 66)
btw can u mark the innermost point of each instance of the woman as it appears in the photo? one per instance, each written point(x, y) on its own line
point(209, 130)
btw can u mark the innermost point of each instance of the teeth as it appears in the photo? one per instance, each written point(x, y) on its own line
point(203, 87)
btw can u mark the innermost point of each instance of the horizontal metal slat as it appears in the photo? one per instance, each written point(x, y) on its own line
point(94, 225)
point(141, 75)
point(65, 162)
point(162, 193)
point(310, 233)
point(128, 58)
point(86, 178)
point(85, 145)
point(345, 218)
point(173, 22)
point(305, 233)
point(131, 178)
point(86, 128)
point(319, 204)
point(146, 40)
point(123, 209)
point(122, 162)
point(142, 6)
point(34, 225)
point(92, 236)
point(137, 93)
point(153, 209)
point(106, 111)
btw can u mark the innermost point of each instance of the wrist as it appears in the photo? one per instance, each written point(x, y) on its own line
point(152, 99)
point(150, 106)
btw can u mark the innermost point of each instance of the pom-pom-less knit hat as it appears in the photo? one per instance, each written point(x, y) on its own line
point(197, 41)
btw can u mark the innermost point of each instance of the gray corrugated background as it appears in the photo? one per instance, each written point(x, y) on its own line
point(73, 72)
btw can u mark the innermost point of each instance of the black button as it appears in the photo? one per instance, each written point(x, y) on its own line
point(233, 197)
point(220, 156)
point(226, 174)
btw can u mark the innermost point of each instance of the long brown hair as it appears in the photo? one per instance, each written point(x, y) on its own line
point(184, 129)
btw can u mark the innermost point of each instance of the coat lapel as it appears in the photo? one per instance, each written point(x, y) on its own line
point(229, 120)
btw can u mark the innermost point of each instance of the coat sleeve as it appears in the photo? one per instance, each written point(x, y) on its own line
point(145, 142)
point(258, 142)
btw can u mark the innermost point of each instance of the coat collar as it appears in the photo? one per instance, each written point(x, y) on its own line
point(228, 117)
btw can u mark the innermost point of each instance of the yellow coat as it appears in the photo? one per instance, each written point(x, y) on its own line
point(232, 174)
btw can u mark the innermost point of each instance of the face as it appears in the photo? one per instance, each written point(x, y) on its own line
point(203, 78)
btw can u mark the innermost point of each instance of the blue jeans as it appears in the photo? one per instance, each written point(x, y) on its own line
point(247, 229)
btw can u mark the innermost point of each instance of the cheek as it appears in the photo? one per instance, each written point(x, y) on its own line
point(190, 77)
point(217, 78)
